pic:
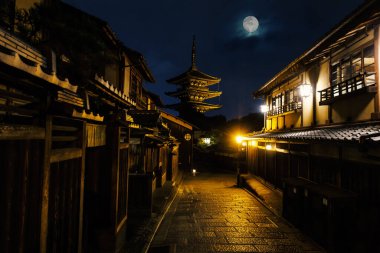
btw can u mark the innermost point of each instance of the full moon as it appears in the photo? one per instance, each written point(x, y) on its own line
point(250, 24)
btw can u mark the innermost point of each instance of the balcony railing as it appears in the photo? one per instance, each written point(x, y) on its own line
point(354, 85)
point(296, 105)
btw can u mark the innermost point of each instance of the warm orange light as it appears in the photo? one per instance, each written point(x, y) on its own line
point(239, 139)
point(305, 90)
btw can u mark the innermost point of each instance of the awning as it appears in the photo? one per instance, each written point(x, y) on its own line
point(366, 132)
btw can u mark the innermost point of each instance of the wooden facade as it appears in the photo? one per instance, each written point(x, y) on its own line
point(158, 152)
point(43, 156)
point(325, 144)
point(68, 147)
point(182, 148)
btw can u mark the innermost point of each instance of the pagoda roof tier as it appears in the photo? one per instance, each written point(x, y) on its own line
point(199, 106)
point(194, 74)
point(194, 92)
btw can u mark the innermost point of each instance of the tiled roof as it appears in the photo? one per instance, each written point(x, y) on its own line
point(195, 104)
point(193, 73)
point(351, 133)
point(146, 118)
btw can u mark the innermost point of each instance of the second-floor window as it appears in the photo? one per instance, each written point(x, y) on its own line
point(361, 61)
point(350, 74)
point(289, 96)
point(277, 101)
point(285, 102)
point(136, 86)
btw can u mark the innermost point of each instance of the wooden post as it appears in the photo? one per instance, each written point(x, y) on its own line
point(113, 144)
point(314, 104)
point(376, 114)
point(45, 185)
point(24, 192)
point(340, 167)
point(8, 191)
point(82, 174)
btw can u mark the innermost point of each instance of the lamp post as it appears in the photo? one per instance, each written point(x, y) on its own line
point(305, 91)
point(264, 109)
point(239, 140)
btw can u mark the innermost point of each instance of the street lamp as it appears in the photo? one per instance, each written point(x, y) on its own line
point(264, 109)
point(239, 140)
point(305, 90)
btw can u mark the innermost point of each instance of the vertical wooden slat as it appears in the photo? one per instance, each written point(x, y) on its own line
point(70, 213)
point(45, 186)
point(23, 197)
point(113, 145)
point(3, 197)
point(9, 184)
point(64, 210)
point(33, 207)
point(123, 180)
point(377, 70)
point(81, 187)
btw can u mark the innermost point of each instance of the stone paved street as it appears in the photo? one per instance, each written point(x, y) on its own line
point(210, 214)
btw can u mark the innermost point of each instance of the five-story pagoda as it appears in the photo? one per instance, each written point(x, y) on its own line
point(193, 90)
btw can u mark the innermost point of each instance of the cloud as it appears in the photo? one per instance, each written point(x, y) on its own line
point(241, 44)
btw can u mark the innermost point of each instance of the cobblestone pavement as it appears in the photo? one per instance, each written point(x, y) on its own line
point(210, 214)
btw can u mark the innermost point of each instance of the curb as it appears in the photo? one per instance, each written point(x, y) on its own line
point(162, 215)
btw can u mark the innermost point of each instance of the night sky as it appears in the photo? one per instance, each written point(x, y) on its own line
point(162, 31)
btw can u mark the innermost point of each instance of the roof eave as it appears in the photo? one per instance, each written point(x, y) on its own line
point(272, 82)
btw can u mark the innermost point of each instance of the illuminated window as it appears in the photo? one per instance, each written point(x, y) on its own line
point(369, 65)
point(334, 74)
point(289, 96)
point(285, 102)
point(206, 141)
point(356, 63)
point(361, 61)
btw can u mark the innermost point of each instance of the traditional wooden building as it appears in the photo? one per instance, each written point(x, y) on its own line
point(321, 141)
point(182, 133)
point(193, 89)
point(67, 144)
point(160, 148)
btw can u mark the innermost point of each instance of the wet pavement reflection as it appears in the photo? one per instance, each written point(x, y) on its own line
point(210, 214)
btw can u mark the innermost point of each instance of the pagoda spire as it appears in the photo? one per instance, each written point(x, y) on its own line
point(193, 89)
point(193, 55)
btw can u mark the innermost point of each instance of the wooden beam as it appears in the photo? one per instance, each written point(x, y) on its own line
point(82, 175)
point(59, 155)
point(64, 138)
point(65, 128)
point(45, 186)
point(8, 94)
point(123, 145)
point(18, 109)
point(21, 132)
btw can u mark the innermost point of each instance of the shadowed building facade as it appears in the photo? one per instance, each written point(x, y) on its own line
point(75, 129)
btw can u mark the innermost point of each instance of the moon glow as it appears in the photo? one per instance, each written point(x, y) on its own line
point(250, 24)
